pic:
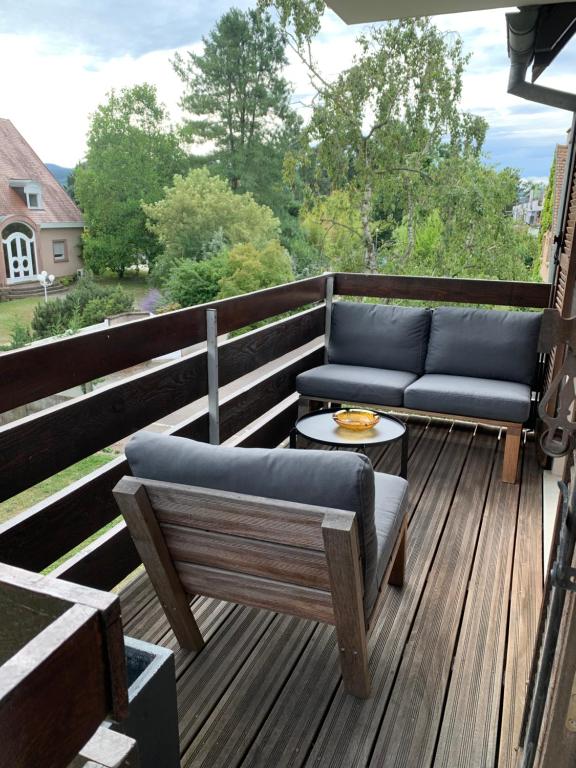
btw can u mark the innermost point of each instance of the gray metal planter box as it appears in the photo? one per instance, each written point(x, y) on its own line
point(153, 718)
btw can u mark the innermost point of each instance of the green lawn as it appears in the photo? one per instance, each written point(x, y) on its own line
point(12, 312)
point(21, 310)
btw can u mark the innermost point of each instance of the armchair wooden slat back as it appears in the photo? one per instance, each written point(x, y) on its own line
point(282, 556)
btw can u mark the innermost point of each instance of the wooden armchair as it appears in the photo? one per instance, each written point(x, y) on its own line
point(286, 556)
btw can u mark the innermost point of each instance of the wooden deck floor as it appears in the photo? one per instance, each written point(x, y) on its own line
point(449, 653)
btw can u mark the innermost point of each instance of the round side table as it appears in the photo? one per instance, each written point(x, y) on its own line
point(320, 427)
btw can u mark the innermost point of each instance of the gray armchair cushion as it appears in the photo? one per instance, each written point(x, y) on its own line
point(389, 510)
point(355, 384)
point(379, 336)
point(468, 396)
point(484, 343)
point(337, 479)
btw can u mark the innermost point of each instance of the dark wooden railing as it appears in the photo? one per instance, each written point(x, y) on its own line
point(258, 414)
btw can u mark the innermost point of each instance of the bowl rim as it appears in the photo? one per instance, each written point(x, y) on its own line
point(373, 414)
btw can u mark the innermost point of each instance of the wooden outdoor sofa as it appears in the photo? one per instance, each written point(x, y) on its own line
point(308, 533)
point(469, 364)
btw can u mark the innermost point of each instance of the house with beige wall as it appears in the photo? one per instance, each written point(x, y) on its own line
point(40, 225)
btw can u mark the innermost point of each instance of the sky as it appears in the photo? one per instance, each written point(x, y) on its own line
point(59, 59)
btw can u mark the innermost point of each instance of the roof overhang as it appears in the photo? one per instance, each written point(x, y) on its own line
point(62, 225)
point(363, 11)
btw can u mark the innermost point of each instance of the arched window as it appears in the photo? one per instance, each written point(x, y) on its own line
point(19, 247)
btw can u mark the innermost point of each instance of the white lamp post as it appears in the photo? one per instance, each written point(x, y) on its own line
point(46, 281)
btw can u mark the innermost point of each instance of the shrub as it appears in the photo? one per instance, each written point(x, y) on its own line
point(100, 308)
point(87, 304)
point(195, 282)
point(50, 318)
point(20, 335)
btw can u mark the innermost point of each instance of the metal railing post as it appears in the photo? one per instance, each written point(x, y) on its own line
point(328, 315)
point(212, 365)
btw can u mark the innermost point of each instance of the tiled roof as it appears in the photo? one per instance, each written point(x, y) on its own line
point(19, 161)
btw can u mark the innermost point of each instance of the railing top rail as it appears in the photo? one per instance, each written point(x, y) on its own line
point(508, 293)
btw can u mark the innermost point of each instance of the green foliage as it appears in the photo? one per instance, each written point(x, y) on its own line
point(304, 16)
point(548, 205)
point(307, 258)
point(98, 309)
point(50, 319)
point(236, 96)
point(201, 207)
point(195, 282)
point(333, 226)
point(132, 154)
point(463, 228)
point(20, 335)
point(380, 126)
point(251, 268)
point(87, 304)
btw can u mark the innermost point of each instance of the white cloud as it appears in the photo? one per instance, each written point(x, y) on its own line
point(53, 90)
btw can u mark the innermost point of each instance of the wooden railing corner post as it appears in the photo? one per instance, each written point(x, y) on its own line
point(212, 364)
point(329, 293)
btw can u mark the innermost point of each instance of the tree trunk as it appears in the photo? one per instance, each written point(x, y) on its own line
point(409, 230)
point(369, 247)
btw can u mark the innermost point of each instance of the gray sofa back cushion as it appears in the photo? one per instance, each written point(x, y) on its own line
point(484, 343)
point(379, 336)
point(337, 479)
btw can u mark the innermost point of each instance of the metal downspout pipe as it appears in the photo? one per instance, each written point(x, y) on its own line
point(522, 28)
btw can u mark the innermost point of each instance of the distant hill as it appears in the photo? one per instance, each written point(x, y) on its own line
point(60, 173)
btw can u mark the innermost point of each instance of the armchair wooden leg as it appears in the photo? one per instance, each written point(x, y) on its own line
point(511, 454)
point(134, 504)
point(343, 559)
point(398, 559)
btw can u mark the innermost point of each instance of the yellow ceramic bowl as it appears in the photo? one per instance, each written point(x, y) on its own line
point(356, 419)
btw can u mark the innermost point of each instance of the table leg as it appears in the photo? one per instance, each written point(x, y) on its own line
point(404, 459)
point(293, 438)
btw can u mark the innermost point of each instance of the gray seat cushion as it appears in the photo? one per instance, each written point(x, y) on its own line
point(337, 479)
point(483, 343)
point(379, 336)
point(389, 509)
point(355, 384)
point(470, 396)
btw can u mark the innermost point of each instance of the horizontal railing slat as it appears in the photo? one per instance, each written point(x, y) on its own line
point(42, 370)
point(241, 355)
point(445, 289)
point(104, 563)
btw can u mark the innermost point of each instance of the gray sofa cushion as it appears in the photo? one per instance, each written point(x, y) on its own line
point(484, 343)
point(389, 509)
point(469, 396)
point(338, 479)
point(355, 384)
point(379, 336)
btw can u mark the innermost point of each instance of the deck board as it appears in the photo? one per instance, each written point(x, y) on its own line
point(470, 726)
point(448, 654)
point(526, 596)
point(409, 729)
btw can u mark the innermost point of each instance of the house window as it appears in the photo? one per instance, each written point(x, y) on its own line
point(33, 199)
point(59, 250)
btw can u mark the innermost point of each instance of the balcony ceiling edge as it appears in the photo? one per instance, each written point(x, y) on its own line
point(363, 11)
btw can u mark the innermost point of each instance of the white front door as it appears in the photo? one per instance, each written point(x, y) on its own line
point(19, 253)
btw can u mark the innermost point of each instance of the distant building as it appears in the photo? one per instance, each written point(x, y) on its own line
point(40, 226)
point(530, 210)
